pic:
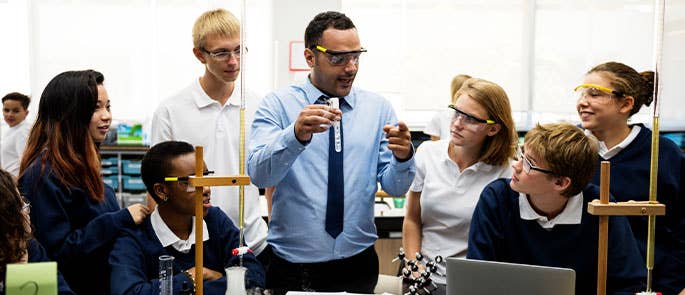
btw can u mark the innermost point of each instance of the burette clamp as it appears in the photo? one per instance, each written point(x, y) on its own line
point(241, 251)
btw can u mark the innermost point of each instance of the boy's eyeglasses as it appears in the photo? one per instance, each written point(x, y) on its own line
point(468, 118)
point(527, 166)
point(183, 181)
point(339, 58)
point(596, 93)
point(223, 54)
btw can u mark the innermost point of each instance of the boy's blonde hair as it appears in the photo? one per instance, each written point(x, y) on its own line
point(215, 22)
point(567, 151)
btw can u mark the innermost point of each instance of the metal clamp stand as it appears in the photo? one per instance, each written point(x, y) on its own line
point(604, 209)
point(199, 180)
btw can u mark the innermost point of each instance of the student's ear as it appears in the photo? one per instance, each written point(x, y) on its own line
point(309, 57)
point(160, 191)
point(562, 182)
point(626, 104)
point(494, 129)
point(199, 55)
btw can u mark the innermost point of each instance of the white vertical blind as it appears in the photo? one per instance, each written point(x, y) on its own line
point(144, 48)
point(415, 48)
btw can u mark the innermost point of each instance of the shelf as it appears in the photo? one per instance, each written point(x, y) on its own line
point(113, 159)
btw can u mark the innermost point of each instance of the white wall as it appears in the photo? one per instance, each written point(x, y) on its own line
point(289, 25)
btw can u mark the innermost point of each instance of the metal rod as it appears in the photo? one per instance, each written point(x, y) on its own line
point(241, 157)
point(659, 10)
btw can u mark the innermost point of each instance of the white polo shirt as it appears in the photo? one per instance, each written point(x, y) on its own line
point(572, 213)
point(167, 237)
point(13, 145)
point(607, 153)
point(192, 116)
point(448, 198)
point(440, 124)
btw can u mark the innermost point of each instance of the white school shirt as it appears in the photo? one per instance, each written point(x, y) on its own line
point(167, 237)
point(448, 199)
point(13, 145)
point(607, 153)
point(572, 213)
point(192, 116)
point(440, 124)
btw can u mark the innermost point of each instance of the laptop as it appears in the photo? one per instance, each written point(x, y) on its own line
point(469, 277)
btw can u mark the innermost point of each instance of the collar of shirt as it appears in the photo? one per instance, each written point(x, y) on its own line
point(203, 100)
point(607, 153)
point(312, 94)
point(167, 237)
point(571, 214)
point(477, 167)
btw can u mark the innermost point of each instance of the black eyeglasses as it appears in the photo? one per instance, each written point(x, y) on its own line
point(223, 54)
point(468, 118)
point(527, 165)
point(339, 58)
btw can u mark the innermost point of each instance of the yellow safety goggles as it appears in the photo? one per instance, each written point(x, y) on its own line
point(594, 89)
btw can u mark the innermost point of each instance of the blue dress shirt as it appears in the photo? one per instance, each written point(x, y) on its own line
point(300, 173)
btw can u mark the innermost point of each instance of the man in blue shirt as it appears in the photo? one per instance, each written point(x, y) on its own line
point(289, 149)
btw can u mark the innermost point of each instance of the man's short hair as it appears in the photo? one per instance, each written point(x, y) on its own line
point(23, 99)
point(567, 150)
point(157, 163)
point(323, 21)
point(215, 22)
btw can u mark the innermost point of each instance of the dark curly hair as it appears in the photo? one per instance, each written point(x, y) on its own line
point(629, 82)
point(14, 235)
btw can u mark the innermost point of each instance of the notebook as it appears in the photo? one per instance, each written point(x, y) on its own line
point(37, 278)
point(469, 277)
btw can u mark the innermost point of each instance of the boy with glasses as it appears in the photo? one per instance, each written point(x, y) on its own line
point(539, 216)
point(170, 230)
point(322, 230)
point(207, 113)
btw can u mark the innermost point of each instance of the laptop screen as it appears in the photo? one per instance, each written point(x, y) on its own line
point(467, 277)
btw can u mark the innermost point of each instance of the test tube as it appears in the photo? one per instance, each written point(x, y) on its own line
point(334, 102)
point(166, 274)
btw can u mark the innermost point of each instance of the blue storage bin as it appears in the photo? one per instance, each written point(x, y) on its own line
point(111, 161)
point(132, 183)
point(130, 167)
point(113, 170)
point(677, 138)
point(112, 181)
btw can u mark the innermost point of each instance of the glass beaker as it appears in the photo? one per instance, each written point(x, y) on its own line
point(166, 274)
point(235, 280)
